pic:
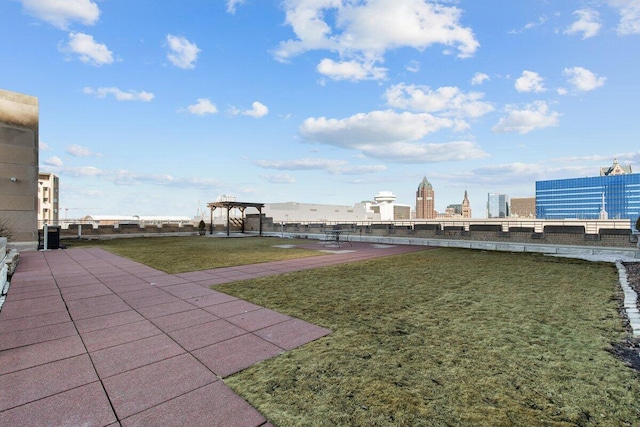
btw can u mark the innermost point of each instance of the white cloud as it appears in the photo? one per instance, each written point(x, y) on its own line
point(182, 53)
point(629, 11)
point(588, 24)
point(257, 110)
point(88, 50)
point(54, 161)
point(583, 79)
point(231, 5)
point(351, 70)
point(283, 178)
point(479, 78)
point(302, 164)
point(43, 146)
point(413, 66)
point(340, 167)
point(530, 82)
point(362, 32)
point(533, 116)
point(376, 127)
point(80, 151)
point(62, 13)
point(201, 107)
point(448, 101)
point(118, 94)
point(389, 135)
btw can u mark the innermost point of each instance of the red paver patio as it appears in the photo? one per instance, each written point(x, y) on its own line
point(88, 338)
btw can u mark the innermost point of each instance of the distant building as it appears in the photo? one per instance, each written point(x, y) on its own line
point(382, 208)
point(459, 210)
point(312, 212)
point(497, 205)
point(425, 200)
point(523, 207)
point(466, 206)
point(388, 210)
point(48, 188)
point(615, 194)
point(615, 169)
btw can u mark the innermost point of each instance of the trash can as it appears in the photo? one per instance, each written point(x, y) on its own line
point(53, 237)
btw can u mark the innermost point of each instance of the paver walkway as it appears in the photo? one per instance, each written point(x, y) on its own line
point(88, 338)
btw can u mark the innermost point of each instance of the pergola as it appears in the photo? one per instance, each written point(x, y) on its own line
point(234, 205)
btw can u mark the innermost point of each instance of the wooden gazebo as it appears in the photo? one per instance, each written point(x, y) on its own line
point(234, 205)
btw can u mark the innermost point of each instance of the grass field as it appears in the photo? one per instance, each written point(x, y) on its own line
point(445, 338)
point(182, 254)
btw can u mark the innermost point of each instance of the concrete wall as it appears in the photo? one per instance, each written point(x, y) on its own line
point(612, 233)
point(19, 119)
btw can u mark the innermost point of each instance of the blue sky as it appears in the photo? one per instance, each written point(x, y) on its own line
point(158, 107)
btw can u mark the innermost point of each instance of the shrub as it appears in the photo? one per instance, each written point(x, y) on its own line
point(201, 225)
point(5, 229)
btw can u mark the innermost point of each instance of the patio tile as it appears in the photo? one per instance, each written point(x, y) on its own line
point(211, 299)
point(31, 307)
point(292, 333)
point(147, 292)
point(87, 300)
point(140, 389)
point(83, 406)
point(18, 338)
point(125, 357)
point(167, 280)
point(232, 308)
point(41, 381)
point(206, 334)
point(162, 298)
point(85, 291)
point(214, 405)
point(75, 281)
point(185, 319)
point(86, 312)
point(108, 321)
point(236, 354)
point(187, 290)
point(165, 309)
point(257, 319)
point(16, 295)
point(19, 358)
point(21, 323)
point(110, 337)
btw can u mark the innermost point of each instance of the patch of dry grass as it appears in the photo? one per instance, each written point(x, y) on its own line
point(447, 337)
point(182, 254)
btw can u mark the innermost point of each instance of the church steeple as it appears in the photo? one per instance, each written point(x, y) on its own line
point(466, 206)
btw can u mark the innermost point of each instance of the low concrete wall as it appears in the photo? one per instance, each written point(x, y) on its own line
point(551, 234)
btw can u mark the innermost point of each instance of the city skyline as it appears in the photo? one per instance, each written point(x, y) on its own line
point(150, 108)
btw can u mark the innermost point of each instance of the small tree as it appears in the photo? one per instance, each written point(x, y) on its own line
point(638, 223)
point(202, 225)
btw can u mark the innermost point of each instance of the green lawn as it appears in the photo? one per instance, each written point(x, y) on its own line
point(182, 254)
point(447, 337)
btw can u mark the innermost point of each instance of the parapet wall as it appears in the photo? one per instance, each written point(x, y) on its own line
point(604, 233)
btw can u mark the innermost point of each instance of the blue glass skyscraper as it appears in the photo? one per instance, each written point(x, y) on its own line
point(583, 197)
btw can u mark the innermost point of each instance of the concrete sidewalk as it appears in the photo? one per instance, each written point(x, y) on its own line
point(88, 338)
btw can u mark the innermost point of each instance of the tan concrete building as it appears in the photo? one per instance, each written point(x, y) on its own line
point(523, 207)
point(19, 121)
point(48, 205)
point(425, 200)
